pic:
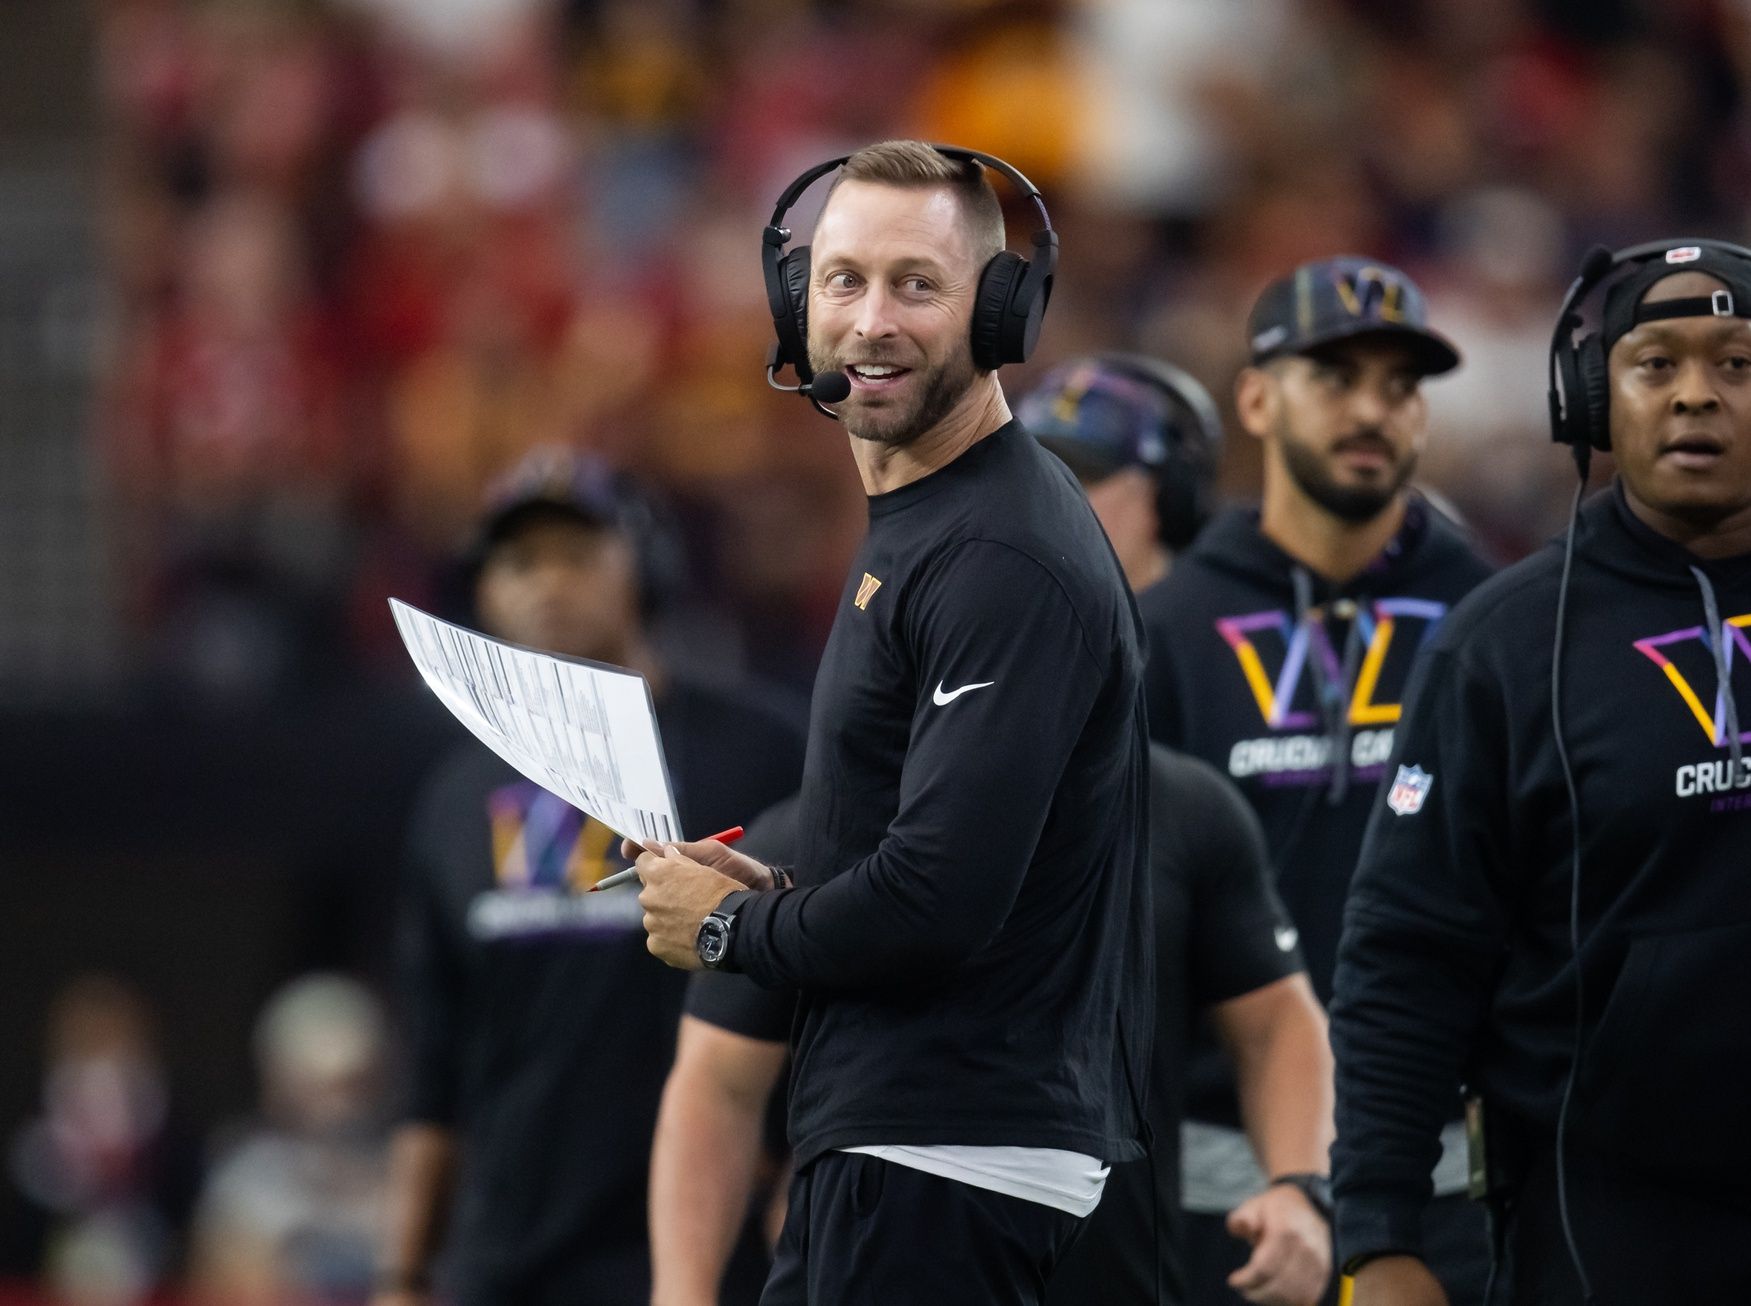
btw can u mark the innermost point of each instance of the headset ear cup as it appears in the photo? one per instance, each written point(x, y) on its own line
point(1595, 391)
point(793, 328)
point(1027, 322)
point(995, 340)
point(1569, 422)
point(1180, 511)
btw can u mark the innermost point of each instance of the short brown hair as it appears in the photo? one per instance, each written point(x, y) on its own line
point(919, 164)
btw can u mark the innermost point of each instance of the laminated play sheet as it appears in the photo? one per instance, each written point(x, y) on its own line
point(586, 731)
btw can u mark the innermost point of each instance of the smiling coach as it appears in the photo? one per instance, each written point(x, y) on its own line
point(969, 920)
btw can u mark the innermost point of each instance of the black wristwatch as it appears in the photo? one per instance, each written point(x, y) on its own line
point(716, 941)
point(1316, 1188)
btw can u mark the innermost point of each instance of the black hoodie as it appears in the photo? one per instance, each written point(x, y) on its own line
point(1229, 681)
point(1456, 960)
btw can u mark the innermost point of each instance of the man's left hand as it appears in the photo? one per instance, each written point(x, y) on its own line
point(678, 894)
point(1291, 1248)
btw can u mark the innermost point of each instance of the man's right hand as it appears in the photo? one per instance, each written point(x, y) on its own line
point(709, 852)
point(1397, 1281)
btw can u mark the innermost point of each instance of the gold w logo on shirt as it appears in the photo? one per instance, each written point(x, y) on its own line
point(866, 592)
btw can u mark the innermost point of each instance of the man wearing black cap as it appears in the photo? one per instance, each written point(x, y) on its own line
point(1551, 905)
point(1280, 645)
point(539, 1027)
point(1142, 438)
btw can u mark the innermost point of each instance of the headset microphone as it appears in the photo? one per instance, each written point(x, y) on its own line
point(819, 389)
point(1596, 263)
point(827, 388)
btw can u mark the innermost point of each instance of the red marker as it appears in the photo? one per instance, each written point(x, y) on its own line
point(621, 877)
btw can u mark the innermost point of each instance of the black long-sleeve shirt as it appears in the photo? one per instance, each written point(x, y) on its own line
point(1456, 962)
point(1220, 932)
point(971, 930)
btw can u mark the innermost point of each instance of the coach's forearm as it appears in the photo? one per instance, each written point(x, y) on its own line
point(422, 1170)
point(889, 920)
point(705, 1157)
point(1283, 1071)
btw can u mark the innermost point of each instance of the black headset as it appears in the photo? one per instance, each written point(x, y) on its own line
point(1193, 445)
point(1580, 386)
point(1007, 310)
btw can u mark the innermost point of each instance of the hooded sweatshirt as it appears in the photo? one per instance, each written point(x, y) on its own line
point(1456, 959)
point(1291, 686)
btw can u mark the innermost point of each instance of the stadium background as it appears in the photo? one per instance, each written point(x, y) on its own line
point(283, 282)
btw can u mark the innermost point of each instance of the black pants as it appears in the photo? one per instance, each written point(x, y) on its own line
point(1640, 1241)
point(1455, 1239)
point(864, 1231)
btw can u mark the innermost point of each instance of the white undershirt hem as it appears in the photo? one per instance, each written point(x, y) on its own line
point(1068, 1181)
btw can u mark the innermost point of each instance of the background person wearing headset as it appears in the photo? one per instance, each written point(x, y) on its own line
point(970, 925)
point(1143, 439)
point(1552, 905)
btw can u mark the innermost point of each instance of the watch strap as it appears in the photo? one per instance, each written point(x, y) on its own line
point(1315, 1187)
point(725, 915)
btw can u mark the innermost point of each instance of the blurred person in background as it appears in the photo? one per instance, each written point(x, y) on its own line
point(1503, 270)
point(1280, 645)
point(1143, 440)
point(540, 1027)
point(105, 1176)
point(292, 1211)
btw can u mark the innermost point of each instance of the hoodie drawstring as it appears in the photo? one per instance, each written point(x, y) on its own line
point(1718, 635)
point(1334, 699)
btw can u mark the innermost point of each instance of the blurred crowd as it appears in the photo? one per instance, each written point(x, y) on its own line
point(364, 253)
point(120, 1196)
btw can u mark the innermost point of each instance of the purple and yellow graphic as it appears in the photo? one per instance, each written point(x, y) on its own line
point(540, 841)
point(1377, 624)
point(1713, 724)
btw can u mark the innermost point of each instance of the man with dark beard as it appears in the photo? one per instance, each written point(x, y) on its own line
point(969, 921)
point(1279, 647)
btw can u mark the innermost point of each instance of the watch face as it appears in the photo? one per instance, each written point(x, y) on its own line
point(714, 938)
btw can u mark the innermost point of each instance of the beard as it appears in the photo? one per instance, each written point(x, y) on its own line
point(1356, 502)
point(898, 423)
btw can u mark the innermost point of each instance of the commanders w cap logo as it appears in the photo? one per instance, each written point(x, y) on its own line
point(1372, 292)
point(866, 592)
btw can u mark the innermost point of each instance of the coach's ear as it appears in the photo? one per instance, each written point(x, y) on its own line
point(1255, 400)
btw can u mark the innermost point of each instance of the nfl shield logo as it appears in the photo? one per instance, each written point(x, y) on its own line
point(1683, 254)
point(1408, 790)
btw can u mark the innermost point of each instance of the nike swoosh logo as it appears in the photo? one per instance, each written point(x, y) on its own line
point(942, 699)
point(1287, 937)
